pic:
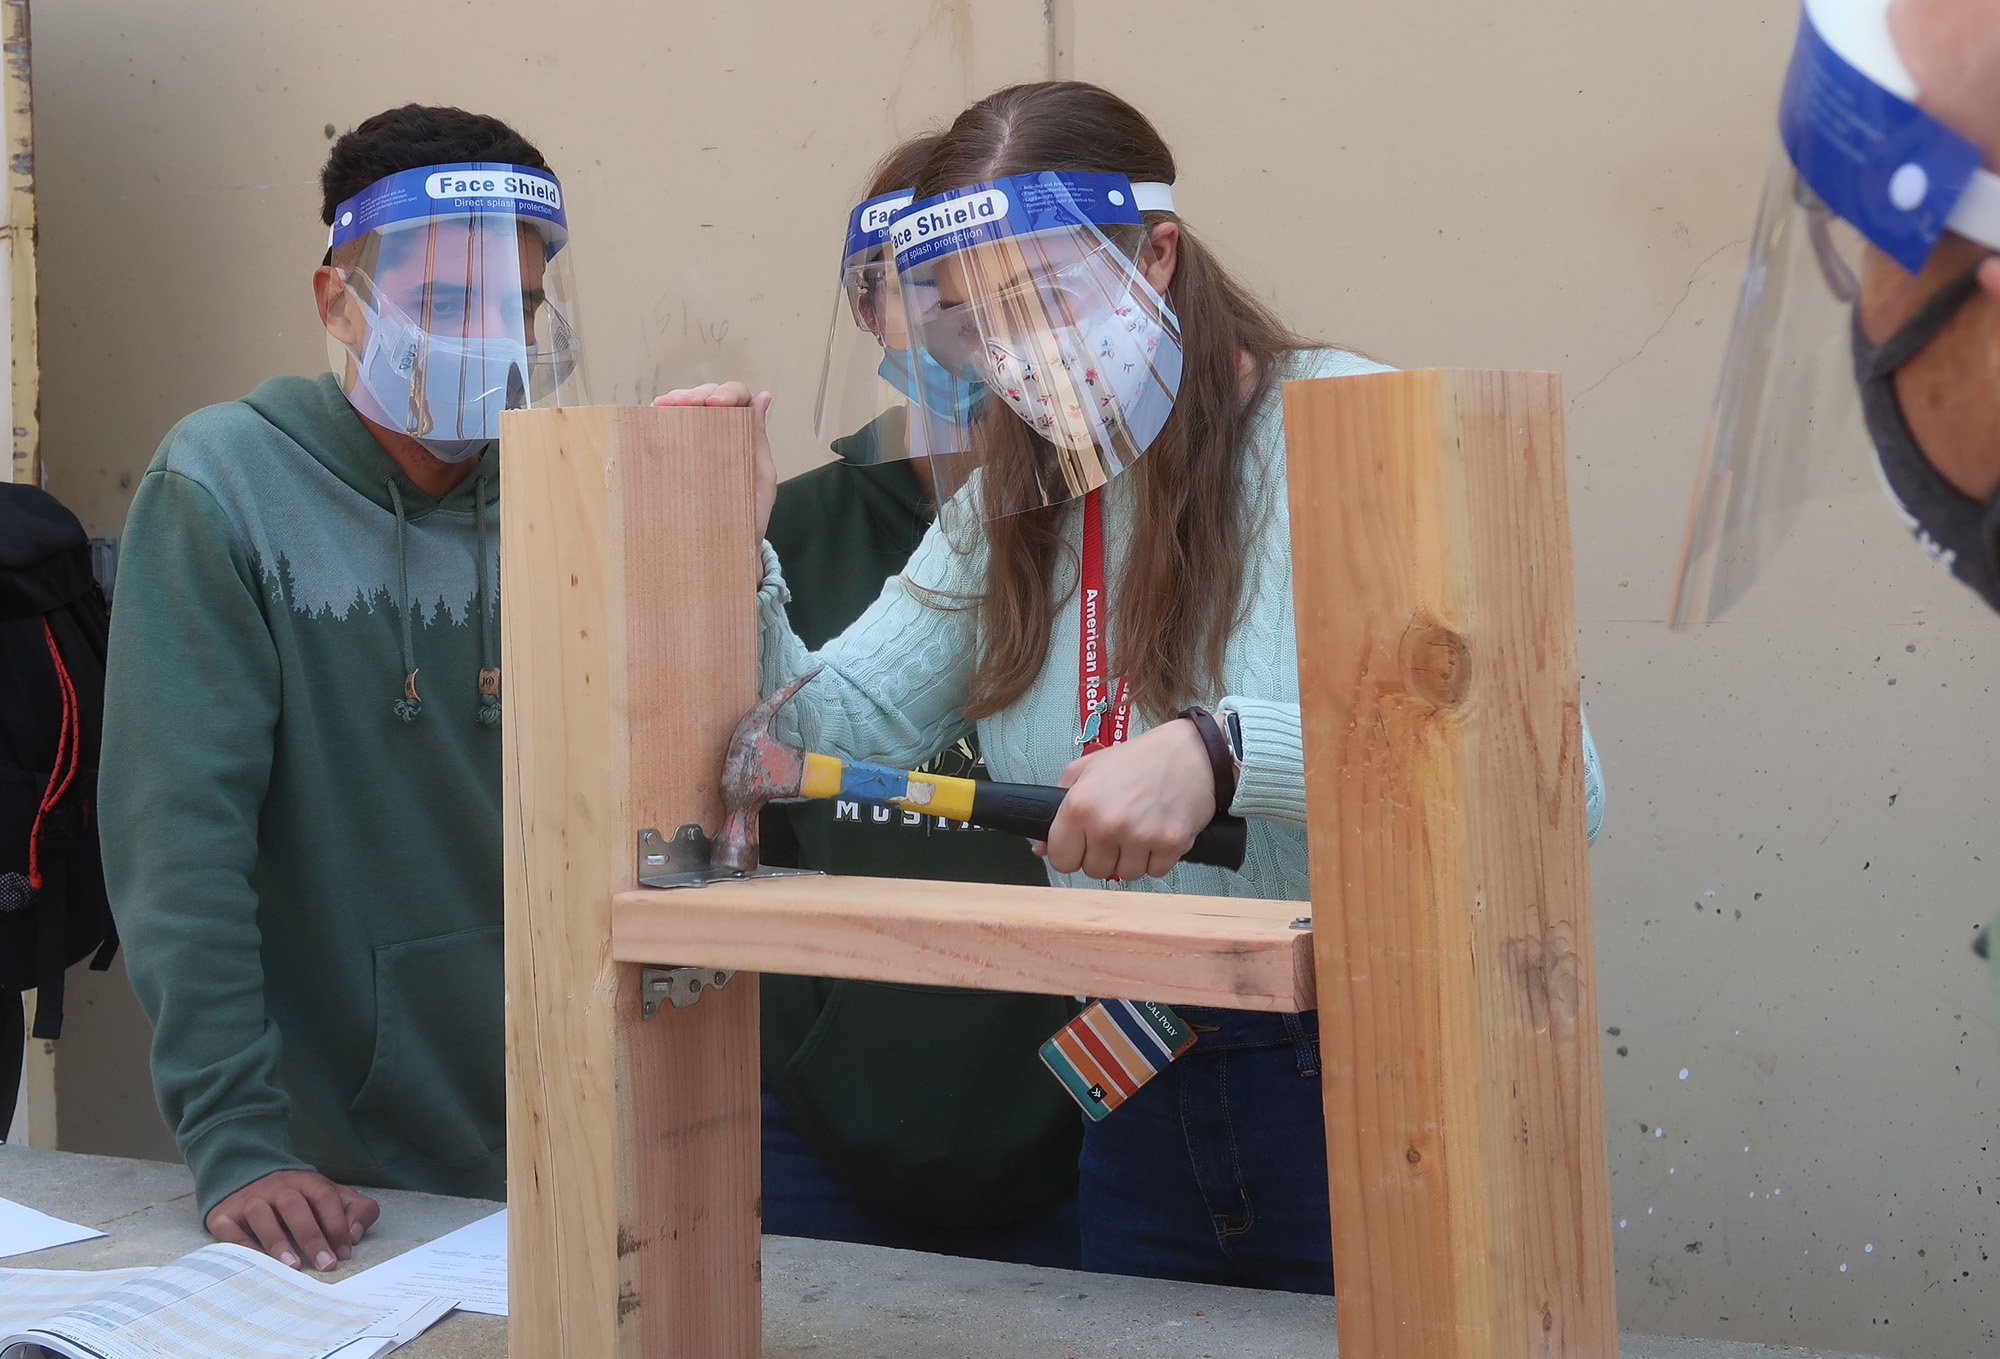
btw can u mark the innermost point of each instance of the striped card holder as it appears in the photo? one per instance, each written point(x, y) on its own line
point(1106, 1053)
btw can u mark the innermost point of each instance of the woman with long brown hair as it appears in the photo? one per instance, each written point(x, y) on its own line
point(1107, 600)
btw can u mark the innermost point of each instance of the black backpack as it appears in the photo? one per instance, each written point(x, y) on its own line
point(54, 625)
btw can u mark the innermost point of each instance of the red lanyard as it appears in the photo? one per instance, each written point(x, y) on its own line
point(1104, 707)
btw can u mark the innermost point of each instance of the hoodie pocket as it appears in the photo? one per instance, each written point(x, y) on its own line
point(436, 1087)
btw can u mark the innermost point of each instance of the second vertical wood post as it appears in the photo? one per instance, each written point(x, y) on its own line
point(1451, 896)
point(629, 651)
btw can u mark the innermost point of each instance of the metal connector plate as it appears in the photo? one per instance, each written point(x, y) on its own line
point(679, 987)
point(686, 860)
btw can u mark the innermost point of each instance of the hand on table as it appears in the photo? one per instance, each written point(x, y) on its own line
point(295, 1215)
point(737, 394)
point(1133, 810)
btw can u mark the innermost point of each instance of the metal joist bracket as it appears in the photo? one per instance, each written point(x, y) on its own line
point(677, 986)
point(686, 860)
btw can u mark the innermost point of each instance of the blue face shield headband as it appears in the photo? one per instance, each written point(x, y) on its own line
point(1851, 128)
point(457, 280)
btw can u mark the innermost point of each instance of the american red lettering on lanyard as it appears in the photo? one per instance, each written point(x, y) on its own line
point(1104, 705)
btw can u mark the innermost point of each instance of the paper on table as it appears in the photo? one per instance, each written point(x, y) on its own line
point(469, 1265)
point(24, 1231)
point(221, 1302)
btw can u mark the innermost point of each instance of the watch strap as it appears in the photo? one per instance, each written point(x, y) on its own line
point(1221, 759)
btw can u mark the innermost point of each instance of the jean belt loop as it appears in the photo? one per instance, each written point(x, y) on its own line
point(1304, 1044)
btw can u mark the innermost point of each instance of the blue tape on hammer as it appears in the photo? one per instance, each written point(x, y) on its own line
point(874, 783)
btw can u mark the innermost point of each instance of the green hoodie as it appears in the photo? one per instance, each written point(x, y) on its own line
point(304, 865)
point(927, 1102)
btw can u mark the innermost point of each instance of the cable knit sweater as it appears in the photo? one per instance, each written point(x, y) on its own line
point(894, 682)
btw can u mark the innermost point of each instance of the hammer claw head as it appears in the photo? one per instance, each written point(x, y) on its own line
point(784, 692)
point(758, 768)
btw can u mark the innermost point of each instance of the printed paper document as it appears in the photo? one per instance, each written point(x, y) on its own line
point(222, 1302)
point(468, 1265)
point(23, 1231)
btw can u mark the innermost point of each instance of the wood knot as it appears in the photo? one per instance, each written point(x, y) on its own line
point(1548, 970)
point(1437, 664)
point(1413, 1156)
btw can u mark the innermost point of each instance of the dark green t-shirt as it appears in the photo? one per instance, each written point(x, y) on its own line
point(927, 1102)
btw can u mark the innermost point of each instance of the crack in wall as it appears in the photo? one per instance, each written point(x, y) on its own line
point(1660, 329)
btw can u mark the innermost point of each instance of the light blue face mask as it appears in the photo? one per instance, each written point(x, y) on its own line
point(941, 392)
point(446, 392)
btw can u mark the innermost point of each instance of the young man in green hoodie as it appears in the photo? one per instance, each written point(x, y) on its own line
point(301, 763)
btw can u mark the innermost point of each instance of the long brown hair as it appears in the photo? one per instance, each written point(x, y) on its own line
point(1182, 585)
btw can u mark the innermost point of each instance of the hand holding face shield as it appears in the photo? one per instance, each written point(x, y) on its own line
point(1859, 165)
point(456, 302)
point(1031, 286)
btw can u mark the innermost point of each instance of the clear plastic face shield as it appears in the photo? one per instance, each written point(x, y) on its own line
point(1859, 165)
point(457, 302)
point(868, 390)
point(1031, 286)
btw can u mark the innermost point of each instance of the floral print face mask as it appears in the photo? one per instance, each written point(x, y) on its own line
point(1076, 385)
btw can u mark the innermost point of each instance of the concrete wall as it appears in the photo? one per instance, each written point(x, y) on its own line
point(1791, 870)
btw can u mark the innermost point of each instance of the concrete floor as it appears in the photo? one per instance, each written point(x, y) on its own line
point(822, 1300)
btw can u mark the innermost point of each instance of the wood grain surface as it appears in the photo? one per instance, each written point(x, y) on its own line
point(1457, 996)
point(629, 649)
point(1182, 950)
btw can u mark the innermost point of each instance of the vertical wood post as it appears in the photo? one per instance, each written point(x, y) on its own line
point(18, 289)
point(629, 651)
point(1452, 929)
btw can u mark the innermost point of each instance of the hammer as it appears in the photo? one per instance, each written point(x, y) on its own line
point(760, 768)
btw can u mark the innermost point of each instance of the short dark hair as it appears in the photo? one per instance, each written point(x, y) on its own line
point(412, 136)
point(900, 167)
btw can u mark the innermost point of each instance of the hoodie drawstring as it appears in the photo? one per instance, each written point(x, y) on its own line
point(409, 705)
point(489, 663)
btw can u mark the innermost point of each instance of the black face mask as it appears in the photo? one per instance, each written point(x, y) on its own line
point(1957, 532)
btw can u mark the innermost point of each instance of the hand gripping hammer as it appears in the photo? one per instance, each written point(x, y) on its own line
point(760, 768)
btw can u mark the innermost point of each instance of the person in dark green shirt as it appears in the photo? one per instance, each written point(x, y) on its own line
point(918, 1117)
point(301, 754)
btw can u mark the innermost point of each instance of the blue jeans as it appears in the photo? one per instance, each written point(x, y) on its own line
point(1215, 1171)
point(802, 1199)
